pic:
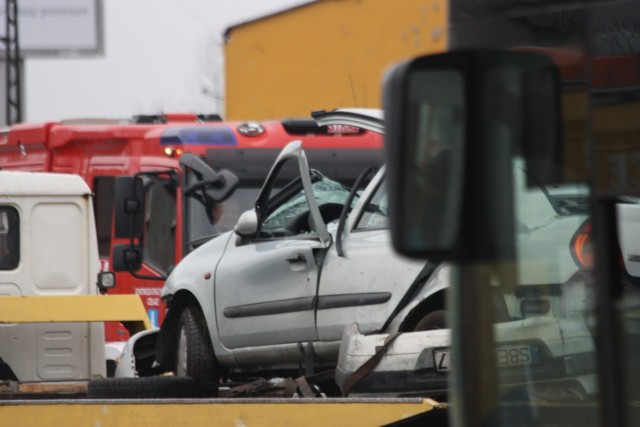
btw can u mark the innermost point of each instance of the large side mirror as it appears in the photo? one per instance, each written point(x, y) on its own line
point(128, 222)
point(452, 122)
point(129, 207)
point(127, 258)
point(218, 186)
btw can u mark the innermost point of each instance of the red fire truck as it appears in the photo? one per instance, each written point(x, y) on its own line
point(178, 156)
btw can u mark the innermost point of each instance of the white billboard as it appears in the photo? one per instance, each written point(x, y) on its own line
point(55, 27)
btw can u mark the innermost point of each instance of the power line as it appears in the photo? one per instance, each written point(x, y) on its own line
point(12, 58)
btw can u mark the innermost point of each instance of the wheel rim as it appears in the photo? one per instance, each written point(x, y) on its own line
point(432, 321)
point(181, 359)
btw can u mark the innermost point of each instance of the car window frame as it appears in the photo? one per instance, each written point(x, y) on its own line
point(357, 224)
point(290, 191)
point(264, 203)
point(364, 199)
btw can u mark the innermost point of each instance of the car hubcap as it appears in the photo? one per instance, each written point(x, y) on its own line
point(181, 365)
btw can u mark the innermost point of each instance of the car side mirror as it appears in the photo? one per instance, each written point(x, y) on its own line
point(247, 224)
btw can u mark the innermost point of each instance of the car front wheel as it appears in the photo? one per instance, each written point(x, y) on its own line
point(194, 352)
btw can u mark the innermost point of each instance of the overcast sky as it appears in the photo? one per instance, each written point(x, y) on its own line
point(159, 56)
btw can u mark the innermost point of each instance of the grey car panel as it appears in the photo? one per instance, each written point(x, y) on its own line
point(277, 291)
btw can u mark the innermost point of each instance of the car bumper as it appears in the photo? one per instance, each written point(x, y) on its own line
point(561, 357)
point(140, 347)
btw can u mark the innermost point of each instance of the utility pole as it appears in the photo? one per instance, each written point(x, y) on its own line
point(12, 58)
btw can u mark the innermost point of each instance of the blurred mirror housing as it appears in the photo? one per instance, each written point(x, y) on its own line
point(453, 122)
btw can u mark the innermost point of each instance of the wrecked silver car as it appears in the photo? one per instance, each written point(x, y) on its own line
point(276, 294)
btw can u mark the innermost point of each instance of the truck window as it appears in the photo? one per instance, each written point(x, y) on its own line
point(103, 188)
point(9, 238)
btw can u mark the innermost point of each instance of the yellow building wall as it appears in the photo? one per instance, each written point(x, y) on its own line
point(324, 55)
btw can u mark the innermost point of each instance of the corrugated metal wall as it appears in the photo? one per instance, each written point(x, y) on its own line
point(325, 55)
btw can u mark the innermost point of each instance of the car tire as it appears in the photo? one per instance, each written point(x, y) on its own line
point(145, 387)
point(434, 320)
point(194, 352)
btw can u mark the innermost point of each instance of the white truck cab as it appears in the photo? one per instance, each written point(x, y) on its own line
point(48, 247)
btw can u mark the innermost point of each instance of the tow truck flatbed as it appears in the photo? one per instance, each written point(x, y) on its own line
point(52, 405)
point(219, 411)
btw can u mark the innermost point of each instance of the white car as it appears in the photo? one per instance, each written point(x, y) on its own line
point(275, 295)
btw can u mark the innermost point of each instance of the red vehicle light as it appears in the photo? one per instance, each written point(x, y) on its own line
point(343, 130)
point(582, 246)
point(173, 152)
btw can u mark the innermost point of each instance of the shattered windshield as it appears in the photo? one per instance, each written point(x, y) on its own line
point(325, 191)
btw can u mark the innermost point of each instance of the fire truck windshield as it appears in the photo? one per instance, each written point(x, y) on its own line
point(228, 212)
point(210, 220)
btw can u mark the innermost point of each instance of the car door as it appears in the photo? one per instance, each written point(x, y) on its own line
point(266, 282)
point(366, 280)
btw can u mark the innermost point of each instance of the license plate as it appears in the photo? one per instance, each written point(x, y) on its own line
point(515, 355)
point(525, 354)
point(442, 360)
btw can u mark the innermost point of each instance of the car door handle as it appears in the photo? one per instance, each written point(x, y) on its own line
point(298, 258)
